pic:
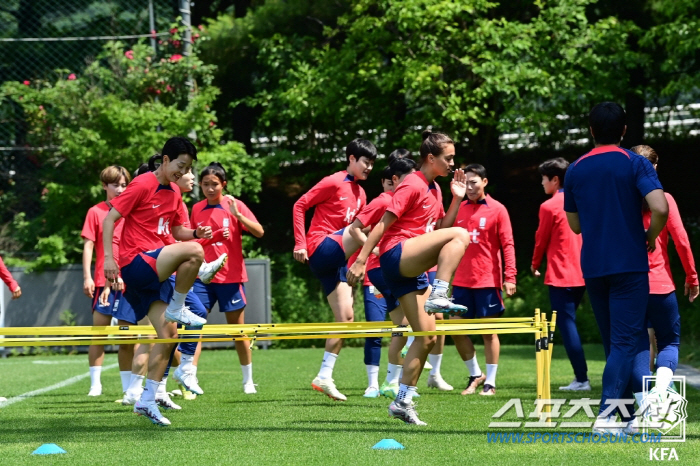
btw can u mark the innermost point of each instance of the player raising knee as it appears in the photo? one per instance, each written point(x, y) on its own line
point(105, 300)
point(662, 309)
point(408, 248)
point(221, 211)
point(151, 209)
point(328, 245)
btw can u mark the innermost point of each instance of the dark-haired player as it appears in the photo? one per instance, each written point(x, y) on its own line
point(563, 277)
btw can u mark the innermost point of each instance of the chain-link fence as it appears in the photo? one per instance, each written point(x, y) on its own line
point(40, 37)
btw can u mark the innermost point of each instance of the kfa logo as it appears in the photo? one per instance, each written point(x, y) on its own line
point(666, 410)
point(663, 454)
point(430, 226)
point(163, 226)
point(350, 214)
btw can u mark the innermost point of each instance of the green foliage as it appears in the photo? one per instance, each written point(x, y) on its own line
point(68, 318)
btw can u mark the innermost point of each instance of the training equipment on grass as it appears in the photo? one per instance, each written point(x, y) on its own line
point(48, 449)
point(132, 334)
point(388, 444)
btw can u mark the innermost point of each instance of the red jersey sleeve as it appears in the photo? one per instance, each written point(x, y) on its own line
point(7, 277)
point(542, 235)
point(90, 226)
point(182, 216)
point(246, 212)
point(323, 191)
point(134, 194)
point(373, 212)
point(680, 239)
point(404, 198)
point(505, 235)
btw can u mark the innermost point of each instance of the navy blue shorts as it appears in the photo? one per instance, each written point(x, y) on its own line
point(230, 296)
point(124, 311)
point(328, 261)
point(480, 302)
point(191, 300)
point(110, 308)
point(397, 283)
point(390, 302)
point(375, 306)
point(142, 284)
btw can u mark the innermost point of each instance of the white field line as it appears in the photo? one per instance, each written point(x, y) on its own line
point(65, 383)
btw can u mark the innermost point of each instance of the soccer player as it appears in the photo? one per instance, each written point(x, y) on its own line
point(328, 245)
point(11, 283)
point(563, 277)
point(221, 211)
point(409, 247)
point(151, 208)
point(105, 300)
point(479, 278)
point(603, 193)
point(662, 309)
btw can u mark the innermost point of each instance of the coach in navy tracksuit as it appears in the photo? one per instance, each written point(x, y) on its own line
point(603, 193)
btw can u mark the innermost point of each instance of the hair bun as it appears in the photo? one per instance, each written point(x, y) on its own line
point(426, 134)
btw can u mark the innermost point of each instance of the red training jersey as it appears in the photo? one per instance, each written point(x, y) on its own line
point(150, 210)
point(660, 278)
point(562, 246)
point(7, 277)
point(338, 199)
point(92, 230)
point(488, 224)
point(369, 217)
point(418, 206)
point(219, 216)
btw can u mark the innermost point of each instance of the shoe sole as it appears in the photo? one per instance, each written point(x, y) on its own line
point(442, 389)
point(152, 420)
point(403, 419)
point(223, 262)
point(319, 389)
point(489, 393)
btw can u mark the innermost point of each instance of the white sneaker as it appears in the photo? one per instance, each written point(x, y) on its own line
point(95, 390)
point(436, 381)
point(607, 425)
point(327, 387)
point(184, 316)
point(249, 388)
point(406, 412)
point(372, 392)
point(575, 386)
point(151, 411)
point(130, 399)
point(188, 380)
point(439, 302)
point(208, 270)
point(166, 403)
point(632, 427)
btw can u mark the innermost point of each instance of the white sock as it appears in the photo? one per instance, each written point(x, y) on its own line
point(126, 378)
point(409, 342)
point(406, 393)
point(435, 361)
point(639, 397)
point(149, 393)
point(178, 300)
point(247, 373)
point(95, 372)
point(136, 384)
point(440, 286)
point(491, 370)
point(664, 375)
point(372, 376)
point(473, 367)
point(186, 362)
point(392, 373)
point(161, 388)
point(326, 371)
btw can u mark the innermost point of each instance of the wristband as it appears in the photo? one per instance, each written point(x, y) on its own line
point(194, 234)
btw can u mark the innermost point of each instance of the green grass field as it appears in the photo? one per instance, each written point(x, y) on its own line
point(288, 423)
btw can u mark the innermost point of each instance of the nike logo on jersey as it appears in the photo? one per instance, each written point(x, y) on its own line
point(235, 301)
point(343, 198)
point(492, 305)
point(426, 206)
point(156, 206)
point(460, 221)
point(199, 224)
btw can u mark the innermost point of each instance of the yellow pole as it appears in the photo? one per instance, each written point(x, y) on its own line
point(552, 326)
point(538, 355)
point(546, 393)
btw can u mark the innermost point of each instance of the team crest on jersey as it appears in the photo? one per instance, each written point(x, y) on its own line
point(482, 222)
point(226, 223)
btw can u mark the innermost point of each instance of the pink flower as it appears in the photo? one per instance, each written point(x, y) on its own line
point(200, 27)
point(26, 83)
point(71, 77)
point(153, 32)
point(176, 43)
point(129, 54)
point(173, 31)
point(168, 88)
point(145, 70)
point(41, 107)
point(175, 57)
point(211, 124)
point(160, 42)
point(157, 91)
